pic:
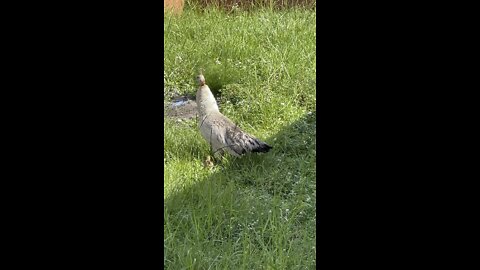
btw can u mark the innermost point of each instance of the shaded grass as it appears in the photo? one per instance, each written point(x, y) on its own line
point(257, 212)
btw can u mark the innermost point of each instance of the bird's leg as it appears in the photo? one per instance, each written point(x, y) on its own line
point(214, 156)
point(219, 156)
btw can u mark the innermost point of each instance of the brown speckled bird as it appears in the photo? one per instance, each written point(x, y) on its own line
point(208, 164)
point(219, 131)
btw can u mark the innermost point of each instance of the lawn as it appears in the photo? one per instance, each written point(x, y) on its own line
point(259, 211)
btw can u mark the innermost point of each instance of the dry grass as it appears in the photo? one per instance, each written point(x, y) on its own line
point(174, 6)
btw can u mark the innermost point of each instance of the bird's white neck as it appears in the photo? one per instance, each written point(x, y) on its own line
point(206, 102)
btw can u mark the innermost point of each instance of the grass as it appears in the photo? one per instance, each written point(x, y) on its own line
point(253, 4)
point(255, 212)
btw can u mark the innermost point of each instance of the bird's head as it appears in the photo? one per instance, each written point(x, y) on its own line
point(200, 79)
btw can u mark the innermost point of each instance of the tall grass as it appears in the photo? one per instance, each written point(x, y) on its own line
point(256, 212)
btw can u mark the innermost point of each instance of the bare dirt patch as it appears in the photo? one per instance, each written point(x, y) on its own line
point(180, 108)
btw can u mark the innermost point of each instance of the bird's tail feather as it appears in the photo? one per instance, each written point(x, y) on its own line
point(261, 147)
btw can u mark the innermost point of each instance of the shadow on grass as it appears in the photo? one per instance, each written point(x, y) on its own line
point(218, 76)
point(238, 210)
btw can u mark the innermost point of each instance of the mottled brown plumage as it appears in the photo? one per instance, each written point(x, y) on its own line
point(221, 133)
point(208, 163)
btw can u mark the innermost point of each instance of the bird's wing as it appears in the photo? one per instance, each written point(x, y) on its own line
point(238, 142)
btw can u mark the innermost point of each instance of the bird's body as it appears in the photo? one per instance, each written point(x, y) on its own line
point(219, 131)
point(208, 164)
